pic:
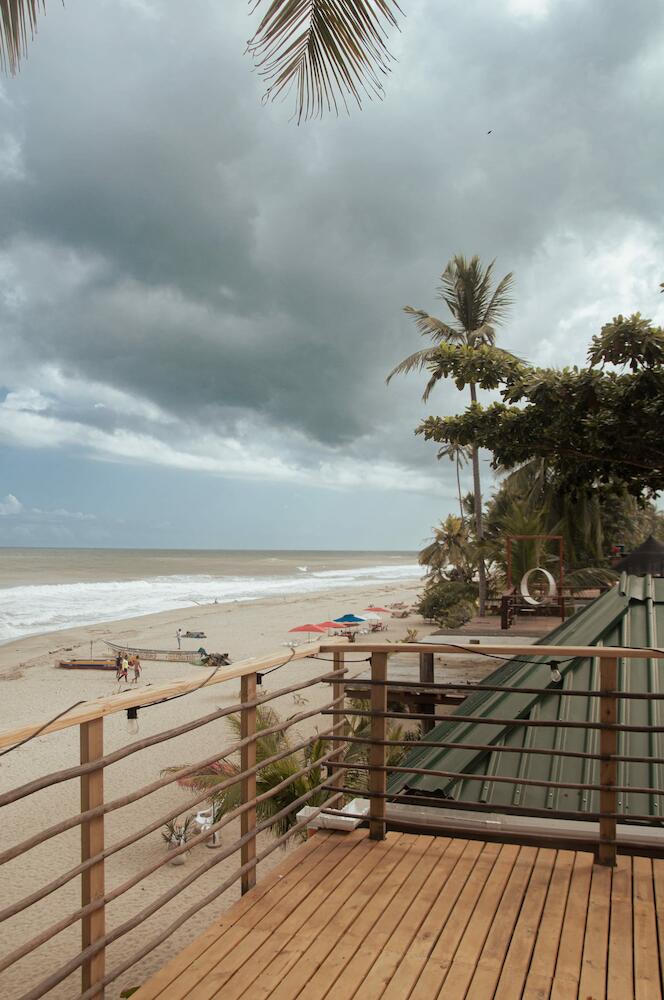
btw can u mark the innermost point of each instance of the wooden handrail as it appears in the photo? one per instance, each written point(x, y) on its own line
point(505, 651)
point(150, 695)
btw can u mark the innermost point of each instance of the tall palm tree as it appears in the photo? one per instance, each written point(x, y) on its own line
point(327, 51)
point(459, 454)
point(476, 308)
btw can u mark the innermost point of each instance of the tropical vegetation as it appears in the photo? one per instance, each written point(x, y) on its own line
point(272, 775)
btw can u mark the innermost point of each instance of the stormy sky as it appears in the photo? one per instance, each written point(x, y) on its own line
point(200, 300)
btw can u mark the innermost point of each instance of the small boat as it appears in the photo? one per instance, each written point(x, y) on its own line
point(169, 655)
point(90, 664)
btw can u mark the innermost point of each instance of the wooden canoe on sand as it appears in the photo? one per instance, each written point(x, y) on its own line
point(169, 655)
point(98, 664)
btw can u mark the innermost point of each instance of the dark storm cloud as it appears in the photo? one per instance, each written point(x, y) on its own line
point(175, 240)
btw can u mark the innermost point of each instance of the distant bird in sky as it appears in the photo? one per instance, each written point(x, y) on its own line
point(490, 131)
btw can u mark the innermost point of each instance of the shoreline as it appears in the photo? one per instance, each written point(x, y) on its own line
point(33, 690)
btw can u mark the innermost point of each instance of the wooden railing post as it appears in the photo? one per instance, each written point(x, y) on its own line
point(336, 773)
point(377, 777)
point(93, 926)
point(427, 677)
point(608, 742)
point(248, 784)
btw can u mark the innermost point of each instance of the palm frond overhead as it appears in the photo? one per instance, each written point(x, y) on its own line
point(18, 23)
point(330, 51)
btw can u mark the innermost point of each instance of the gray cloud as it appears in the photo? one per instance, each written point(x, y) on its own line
point(166, 237)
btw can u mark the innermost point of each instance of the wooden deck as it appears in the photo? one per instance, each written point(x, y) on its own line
point(421, 917)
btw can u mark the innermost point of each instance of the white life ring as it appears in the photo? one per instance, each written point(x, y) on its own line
point(551, 585)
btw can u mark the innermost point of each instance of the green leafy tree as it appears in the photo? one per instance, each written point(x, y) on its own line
point(594, 426)
point(476, 308)
point(328, 53)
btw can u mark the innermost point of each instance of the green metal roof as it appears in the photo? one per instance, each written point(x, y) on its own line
point(631, 614)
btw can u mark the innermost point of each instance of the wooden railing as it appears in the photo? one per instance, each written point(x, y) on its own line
point(92, 959)
point(608, 788)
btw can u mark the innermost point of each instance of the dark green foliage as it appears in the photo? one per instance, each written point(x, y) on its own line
point(593, 426)
point(449, 603)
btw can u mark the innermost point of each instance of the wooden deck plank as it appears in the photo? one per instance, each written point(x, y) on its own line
point(596, 944)
point(296, 864)
point(250, 910)
point(344, 949)
point(442, 954)
point(519, 950)
point(479, 928)
point(415, 958)
point(545, 953)
point(408, 928)
point(369, 948)
point(620, 979)
point(658, 874)
point(570, 952)
point(646, 959)
point(290, 917)
point(297, 969)
point(418, 918)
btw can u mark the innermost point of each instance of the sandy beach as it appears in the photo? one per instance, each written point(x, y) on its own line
point(32, 689)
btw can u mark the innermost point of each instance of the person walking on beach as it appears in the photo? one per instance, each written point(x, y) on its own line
point(124, 669)
point(118, 666)
point(178, 636)
point(137, 669)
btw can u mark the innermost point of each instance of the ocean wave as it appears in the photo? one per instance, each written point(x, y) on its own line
point(33, 609)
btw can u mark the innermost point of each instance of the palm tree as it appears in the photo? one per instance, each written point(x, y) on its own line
point(476, 308)
point(459, 454)
point(327, 52)
point(268, 777)
point(451, 547)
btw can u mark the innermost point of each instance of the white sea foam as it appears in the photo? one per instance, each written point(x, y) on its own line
point(29, 610)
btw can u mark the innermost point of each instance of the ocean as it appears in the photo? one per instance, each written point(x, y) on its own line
point(42, 590)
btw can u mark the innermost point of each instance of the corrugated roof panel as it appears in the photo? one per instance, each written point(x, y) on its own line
point(631, 614)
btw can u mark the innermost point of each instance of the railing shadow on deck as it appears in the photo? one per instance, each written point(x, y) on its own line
point(333, 789)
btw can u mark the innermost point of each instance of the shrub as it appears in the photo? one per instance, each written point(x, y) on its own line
point(449, 603)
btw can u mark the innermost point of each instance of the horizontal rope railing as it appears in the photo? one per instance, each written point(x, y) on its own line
point(203, 796)
point(493, 721)
point(95, 859)
point(139, 918)
point(210, 898)
point(56, 777)
point(125, 800)
point(443, 803)
point(97, 904)
point(499, 748)
point(502, 779)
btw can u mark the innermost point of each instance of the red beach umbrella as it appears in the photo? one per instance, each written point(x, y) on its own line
point(384, 611)
point(308, 628)
point(327, 625)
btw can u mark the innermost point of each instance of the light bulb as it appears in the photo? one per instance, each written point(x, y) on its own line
point(556, 675)
point(132, 721)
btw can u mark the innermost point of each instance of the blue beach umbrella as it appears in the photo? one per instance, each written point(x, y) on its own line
point(349, 620)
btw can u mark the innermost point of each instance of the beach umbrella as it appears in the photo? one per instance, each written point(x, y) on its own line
point(371, 616)
point(349, 620)
point(384, 611)
point(328, 624)
point(308, 628)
